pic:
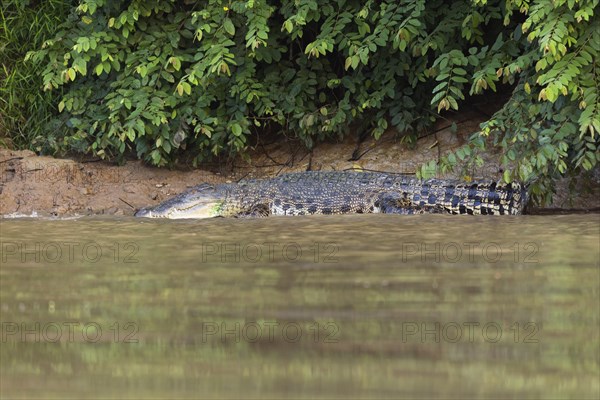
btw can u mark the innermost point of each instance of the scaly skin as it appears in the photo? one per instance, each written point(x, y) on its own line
point(345, 192)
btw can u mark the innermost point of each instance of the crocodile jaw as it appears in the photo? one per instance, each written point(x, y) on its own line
point(199, 211)
point(203, 201)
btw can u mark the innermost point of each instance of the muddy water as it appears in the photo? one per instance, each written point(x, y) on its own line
point(365, 306)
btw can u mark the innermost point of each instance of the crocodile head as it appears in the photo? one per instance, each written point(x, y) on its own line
point(202, 201)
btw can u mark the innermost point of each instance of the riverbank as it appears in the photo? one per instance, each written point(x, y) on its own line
point(46, 186)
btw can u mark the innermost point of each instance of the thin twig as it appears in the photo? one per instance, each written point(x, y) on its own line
point(11, 159)
point(383, 172)
point(127, 203)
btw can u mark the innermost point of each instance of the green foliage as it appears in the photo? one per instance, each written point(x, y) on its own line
point(551, 124)
point(160, 77)
point(26, 113)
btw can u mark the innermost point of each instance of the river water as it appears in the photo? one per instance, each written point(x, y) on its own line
point(359, 306)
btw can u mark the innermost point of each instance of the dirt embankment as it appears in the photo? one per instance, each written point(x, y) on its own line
point(45, 186)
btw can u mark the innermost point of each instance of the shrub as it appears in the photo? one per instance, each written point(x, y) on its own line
point(162, 76)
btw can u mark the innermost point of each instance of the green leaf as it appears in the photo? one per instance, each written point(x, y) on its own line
point(236, 129)
point(187, 88)
point(453, 102)
point(155, 156)
point(228, 26)
point(176, 63)
point(506, 176)
point(459, 79)
point(348, 63)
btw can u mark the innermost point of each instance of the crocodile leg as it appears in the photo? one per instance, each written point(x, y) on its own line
point(257, 211)
point(398, 203)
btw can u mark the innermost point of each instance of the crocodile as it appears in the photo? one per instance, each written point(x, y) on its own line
point(342, 192)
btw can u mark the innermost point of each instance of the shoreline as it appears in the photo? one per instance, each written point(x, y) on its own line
point(53, 187)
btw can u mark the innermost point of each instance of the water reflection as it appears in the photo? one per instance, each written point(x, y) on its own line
point(358, 306)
